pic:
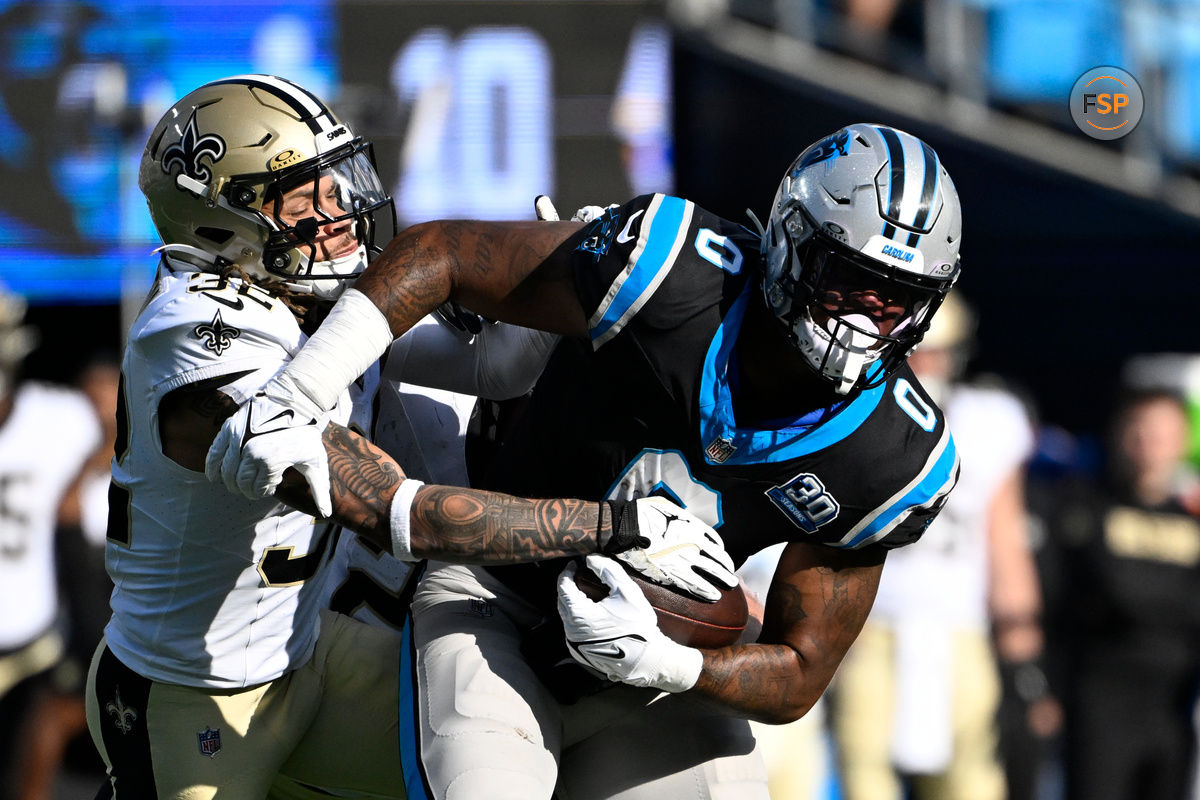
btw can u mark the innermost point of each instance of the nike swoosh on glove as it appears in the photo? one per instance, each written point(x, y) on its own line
point(618, 635)
point(266, 435)
point(670, 546)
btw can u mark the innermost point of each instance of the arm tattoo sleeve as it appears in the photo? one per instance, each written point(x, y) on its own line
point(452, 523)
point(477, 527)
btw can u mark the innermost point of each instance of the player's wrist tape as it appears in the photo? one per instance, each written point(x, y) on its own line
point(625, 534)
point(399, 519)
point(349, 341)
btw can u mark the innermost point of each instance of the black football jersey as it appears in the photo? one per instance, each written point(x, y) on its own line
point(645, 406)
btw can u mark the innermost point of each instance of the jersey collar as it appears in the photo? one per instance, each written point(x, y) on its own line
point(723, 442)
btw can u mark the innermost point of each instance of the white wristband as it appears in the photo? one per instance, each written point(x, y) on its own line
point(679, 668)
point(349, 341)
point(398, 517)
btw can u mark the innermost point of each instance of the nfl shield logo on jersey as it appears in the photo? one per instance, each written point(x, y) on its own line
point(720, 449)
point(210, 741)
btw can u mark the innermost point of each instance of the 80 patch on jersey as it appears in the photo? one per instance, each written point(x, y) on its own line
point(805, 502)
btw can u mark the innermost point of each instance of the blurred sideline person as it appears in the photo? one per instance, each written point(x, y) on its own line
point(914, 708)
point(219, 668)
point(47, 433)
point(757, 378)
point(58, 719)
point(1126, 608)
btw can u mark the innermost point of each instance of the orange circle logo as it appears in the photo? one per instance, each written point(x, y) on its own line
point(1106, 103)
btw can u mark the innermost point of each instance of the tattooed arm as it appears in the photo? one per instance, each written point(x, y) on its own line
point(817, 604)
point(515, 272)
point(448, 523)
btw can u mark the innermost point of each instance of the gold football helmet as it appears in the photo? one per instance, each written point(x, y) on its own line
point(256, 171)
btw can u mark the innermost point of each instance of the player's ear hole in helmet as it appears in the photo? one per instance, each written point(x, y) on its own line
point(256, 171)
point(861, 246)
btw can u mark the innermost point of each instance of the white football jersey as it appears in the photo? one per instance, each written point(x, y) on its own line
point(44, 444)
point(945, 576)
point(210, 589)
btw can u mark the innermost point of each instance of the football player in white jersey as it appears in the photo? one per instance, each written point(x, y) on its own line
point(915, 709)
point(47, 434)
point(220, 671)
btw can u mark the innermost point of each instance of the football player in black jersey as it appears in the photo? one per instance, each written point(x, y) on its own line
point(756, 378)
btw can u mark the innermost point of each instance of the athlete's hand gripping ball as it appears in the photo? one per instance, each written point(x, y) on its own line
point(618, 635)
point(670, 546)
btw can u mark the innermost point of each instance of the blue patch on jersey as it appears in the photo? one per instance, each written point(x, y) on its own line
point(805, 502)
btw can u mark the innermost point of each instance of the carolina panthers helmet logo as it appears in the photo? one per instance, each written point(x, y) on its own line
point(191, 147)
point(829, 147)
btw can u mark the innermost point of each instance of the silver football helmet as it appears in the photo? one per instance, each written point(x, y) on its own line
point(256, 171)
point(860, 247)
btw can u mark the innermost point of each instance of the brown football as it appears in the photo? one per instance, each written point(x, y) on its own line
point(680, 616)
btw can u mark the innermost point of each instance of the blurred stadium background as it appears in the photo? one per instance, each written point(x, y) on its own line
point(1078, 253)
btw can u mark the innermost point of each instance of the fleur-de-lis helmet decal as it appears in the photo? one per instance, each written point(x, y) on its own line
point(188, 152)
point(217, 162)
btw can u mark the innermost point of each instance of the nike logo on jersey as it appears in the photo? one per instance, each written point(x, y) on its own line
point(625, 236)
point(236, 303)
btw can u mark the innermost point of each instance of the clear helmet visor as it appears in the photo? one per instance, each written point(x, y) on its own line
point(323, 220)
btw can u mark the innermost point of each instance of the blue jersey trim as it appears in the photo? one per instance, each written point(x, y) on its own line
point(920, 496)
point(410, 737)
point(754, 446)
point(659, 242)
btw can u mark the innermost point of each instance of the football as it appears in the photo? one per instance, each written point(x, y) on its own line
point(680, 616)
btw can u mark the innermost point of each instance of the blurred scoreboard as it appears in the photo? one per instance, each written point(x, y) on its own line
point(477, 107)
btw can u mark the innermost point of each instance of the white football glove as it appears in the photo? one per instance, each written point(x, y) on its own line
point(670, 546)
point(276, 429)
point(618, 635)
point(545, 210)
point(589, 213)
